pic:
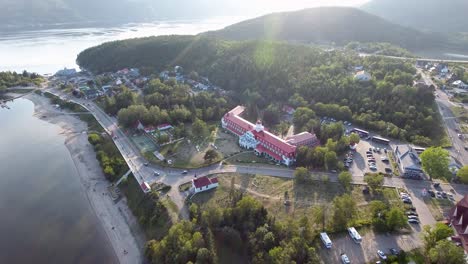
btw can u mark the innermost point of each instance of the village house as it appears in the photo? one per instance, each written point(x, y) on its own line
point(264, 143)
point(204, 184)
point(459, 84)
point(289, 110)
point(362, 76)
point(458, 218)
point(408, 161)
point(66, 72)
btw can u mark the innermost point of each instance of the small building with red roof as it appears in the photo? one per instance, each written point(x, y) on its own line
point(204, 184)
point(145, 187)
point(264, 143)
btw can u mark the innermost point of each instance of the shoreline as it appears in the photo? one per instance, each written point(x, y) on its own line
point(117, 221)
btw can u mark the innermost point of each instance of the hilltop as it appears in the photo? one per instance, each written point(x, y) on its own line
point(429, 15)
point(339, 25)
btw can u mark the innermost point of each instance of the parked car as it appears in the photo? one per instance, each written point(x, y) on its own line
point(146, 164)
point(439, 195)
point(444, 195)
point(413, 221)
point(394, 251)
point(411, 213)
point(412, 208)
point(381, 254)
point(407, 201)
point(345, 259)
point(388, 170)
point(184, 172)
point(412, 217)
point(436, 185)
point(156, 173)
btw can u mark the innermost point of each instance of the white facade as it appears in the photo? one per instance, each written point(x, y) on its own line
point(248, 141)
point(204, 188)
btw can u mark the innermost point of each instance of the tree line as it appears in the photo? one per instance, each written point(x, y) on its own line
point(12, 79)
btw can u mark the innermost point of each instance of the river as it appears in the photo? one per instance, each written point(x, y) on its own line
point(46, 51)
point(46, 218)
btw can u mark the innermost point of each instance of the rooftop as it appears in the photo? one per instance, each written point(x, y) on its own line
point(204, 181)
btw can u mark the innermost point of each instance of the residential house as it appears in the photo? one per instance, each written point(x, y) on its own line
point(204, 184)
point(460, 84)
point(66, 72)
point(362, 76)
point(422, 84)
point(145, 187)
point(408, 161)
point(458, 218)
point(358, 68)
point(289, 110)
point(164, 127)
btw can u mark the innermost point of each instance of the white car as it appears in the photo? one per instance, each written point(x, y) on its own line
point(381, 254)
point(345, 259)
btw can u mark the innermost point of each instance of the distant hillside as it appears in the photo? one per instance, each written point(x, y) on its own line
point(430, 15)
point(340, 25)
point(63, 13)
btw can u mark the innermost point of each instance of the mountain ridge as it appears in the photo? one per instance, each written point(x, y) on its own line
point(429, 15)
point(339, 25)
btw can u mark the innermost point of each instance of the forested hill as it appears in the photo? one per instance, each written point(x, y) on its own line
point(266, 75)
point(431, 15)
point(340, 25)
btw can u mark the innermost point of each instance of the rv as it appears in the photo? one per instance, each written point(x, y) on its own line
point(326, 240)
point(354, 235)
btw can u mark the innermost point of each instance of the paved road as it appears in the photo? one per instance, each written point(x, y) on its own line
point(457, 150)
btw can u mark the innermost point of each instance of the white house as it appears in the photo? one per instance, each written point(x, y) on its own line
point(362, 76)
point(460, 84)
point(204, 184)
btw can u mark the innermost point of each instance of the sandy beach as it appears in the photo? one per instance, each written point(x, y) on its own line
point(119, 224)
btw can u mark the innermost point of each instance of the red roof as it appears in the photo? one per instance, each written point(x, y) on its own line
point(300, 138)
point(261, 149)
point(145, 187)
point(263, 136)
point(274, 140)
point(203, 181)
point(460, 211)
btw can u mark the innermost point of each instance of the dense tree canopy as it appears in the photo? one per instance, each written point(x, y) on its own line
point(11, 79)
point(435, 162)
point(259, 73)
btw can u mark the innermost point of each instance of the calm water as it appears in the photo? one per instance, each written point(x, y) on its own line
point(45, 218)
point(46, 51)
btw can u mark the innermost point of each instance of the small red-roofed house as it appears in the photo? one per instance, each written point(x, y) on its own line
point(204, 184)
point(145, 187)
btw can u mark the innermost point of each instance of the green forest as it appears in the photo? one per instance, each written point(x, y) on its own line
point(12, 79)
point(266, 75)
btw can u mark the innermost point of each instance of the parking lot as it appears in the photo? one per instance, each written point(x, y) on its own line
point(370, 157)
point(366, 251)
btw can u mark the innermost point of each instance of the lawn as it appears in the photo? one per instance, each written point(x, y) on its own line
point(270, 191)
point(188, 155)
